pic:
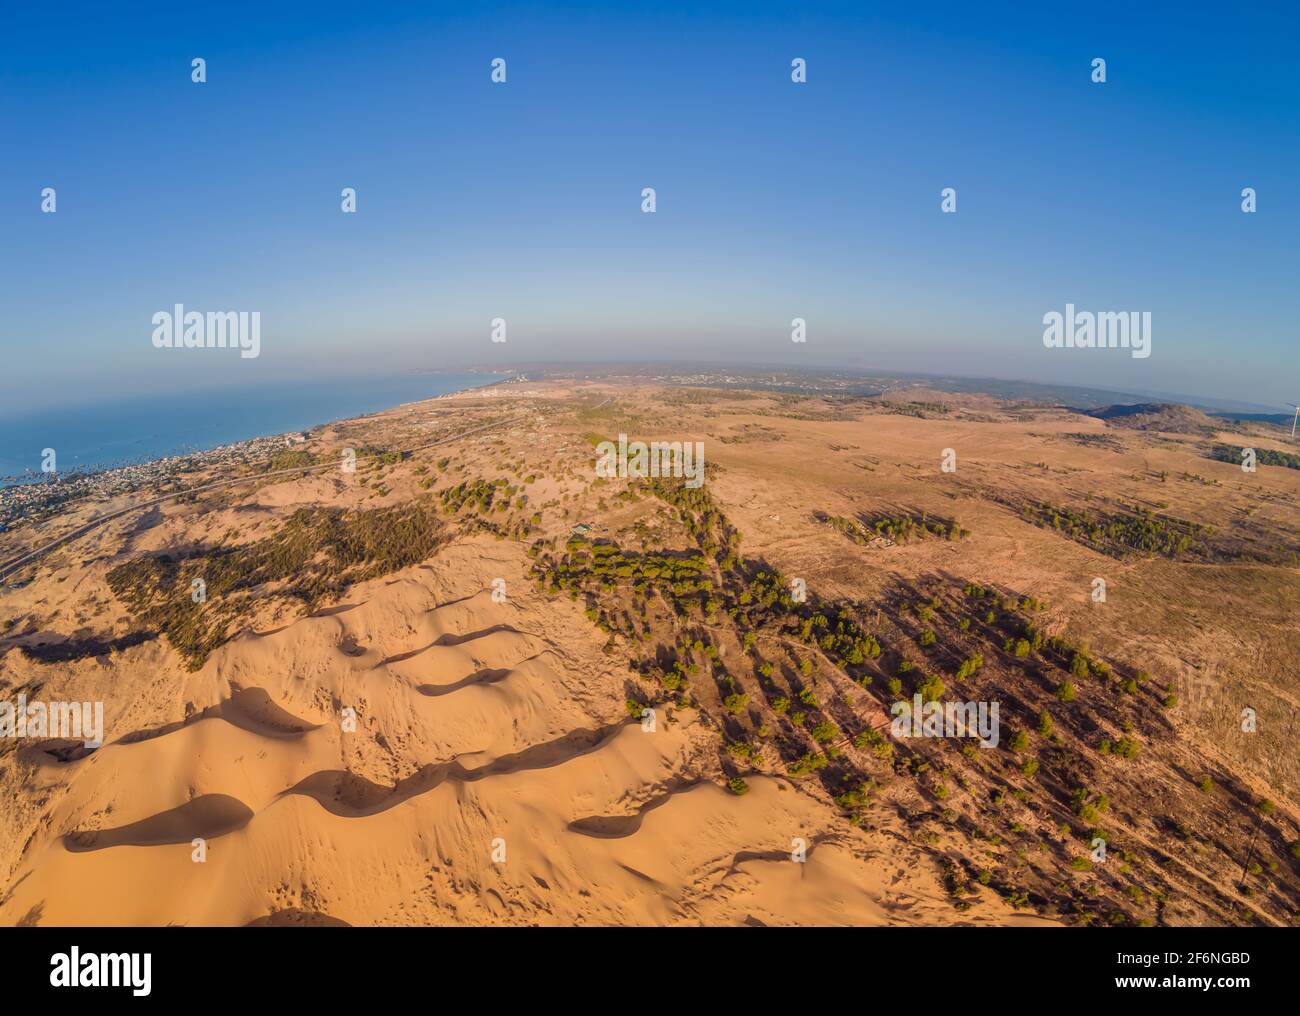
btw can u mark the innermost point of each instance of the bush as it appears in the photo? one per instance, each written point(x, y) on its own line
point(1065, 692)
point(1019, 741)
point(738, 786)
point(808, 764)
point(931, 688)
point(1045, 724)
point(315, 554)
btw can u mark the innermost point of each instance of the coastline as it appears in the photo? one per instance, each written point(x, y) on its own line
point(96, 436)
point(35, 498)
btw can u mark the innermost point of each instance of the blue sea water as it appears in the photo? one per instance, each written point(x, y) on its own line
point(102, 435)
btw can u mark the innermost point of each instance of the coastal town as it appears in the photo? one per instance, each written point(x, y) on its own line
point(25, 500)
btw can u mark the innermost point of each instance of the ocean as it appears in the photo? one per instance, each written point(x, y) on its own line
point(106, 434)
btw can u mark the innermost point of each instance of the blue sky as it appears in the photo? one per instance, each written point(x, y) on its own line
point(522, 200)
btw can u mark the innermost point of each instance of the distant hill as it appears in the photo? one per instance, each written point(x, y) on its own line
point(1163, 416)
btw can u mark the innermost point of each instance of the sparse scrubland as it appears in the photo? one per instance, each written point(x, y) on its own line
point(595, 669)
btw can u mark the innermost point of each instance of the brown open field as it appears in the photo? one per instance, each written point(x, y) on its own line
point(418, 693)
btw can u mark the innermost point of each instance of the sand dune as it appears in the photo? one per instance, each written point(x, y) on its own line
point(492, 777)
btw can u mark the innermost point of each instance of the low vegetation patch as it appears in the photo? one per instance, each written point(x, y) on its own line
point(314, 555)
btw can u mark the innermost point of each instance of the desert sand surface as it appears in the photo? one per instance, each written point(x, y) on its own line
point(410, 697)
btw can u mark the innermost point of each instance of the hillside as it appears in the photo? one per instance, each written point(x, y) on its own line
point(1158, 416)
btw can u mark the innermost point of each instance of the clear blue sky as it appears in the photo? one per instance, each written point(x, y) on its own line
point(522, 200)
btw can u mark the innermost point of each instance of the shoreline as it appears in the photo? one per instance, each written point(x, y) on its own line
point(27, 501)
point(277, 402)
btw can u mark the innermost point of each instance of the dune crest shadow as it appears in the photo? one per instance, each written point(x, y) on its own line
point(208, 817)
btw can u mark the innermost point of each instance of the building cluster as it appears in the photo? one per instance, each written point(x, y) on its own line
point(28, 499)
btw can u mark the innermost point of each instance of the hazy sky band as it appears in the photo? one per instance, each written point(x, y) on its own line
point(522, 201)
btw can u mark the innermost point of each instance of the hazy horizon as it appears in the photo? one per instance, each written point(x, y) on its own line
point(270, 383)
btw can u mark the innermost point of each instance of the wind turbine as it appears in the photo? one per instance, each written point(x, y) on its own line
point(1297, 417)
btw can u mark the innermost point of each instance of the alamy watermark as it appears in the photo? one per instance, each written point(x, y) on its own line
point(182, 329)
point(75, 721)
point(919, 718)
point(1105, 330)
point(681, 459)
point(75, 969)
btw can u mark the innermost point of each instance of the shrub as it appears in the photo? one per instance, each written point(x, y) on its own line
point(1045, 724)
point(1065, 692)
point(737, 786)
point(851, 800)
point(808, 764)
point(1019, 741)
point(931, 688)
